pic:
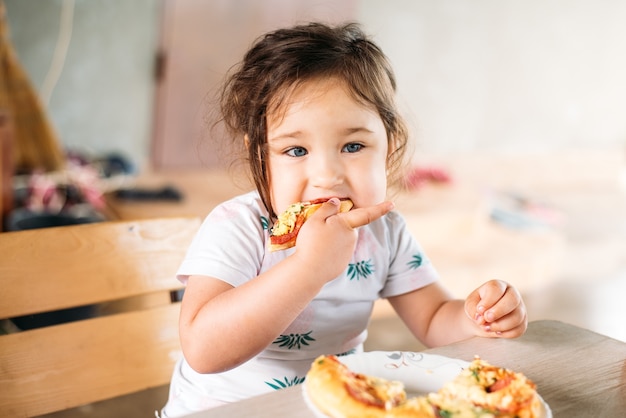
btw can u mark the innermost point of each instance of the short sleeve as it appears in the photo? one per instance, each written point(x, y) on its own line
point(229, 244)
point(409, 267)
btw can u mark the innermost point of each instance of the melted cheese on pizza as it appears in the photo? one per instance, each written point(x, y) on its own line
point(287, 220)
point(374, 391)
point(480, 391)
point(483, 390)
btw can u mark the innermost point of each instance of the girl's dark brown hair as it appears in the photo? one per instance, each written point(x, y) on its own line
point(283, 59)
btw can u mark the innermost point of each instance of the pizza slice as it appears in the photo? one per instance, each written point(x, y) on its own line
point(285, 230)
point(484, 390)
point(479, 391)
point(338, 392)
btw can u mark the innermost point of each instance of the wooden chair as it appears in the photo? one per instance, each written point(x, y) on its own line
point(129, 346)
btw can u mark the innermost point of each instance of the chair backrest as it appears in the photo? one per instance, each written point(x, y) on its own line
point(125, 346)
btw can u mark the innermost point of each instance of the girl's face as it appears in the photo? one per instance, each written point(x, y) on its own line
point(323, 143)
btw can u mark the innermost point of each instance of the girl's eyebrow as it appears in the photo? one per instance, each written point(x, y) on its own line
point(297, 134)
point(285, 136)
point(357, 129)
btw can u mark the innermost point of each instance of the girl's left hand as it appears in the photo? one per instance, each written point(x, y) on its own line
point(498, 309)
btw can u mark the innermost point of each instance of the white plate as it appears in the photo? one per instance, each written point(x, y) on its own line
point(421, 373)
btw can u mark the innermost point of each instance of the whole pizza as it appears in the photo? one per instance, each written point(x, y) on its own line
point(479, 391)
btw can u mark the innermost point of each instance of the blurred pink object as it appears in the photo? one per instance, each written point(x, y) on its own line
point(418, 176)
point(54, 192)
point(43, 194)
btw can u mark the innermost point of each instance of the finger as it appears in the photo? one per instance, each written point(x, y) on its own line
point(515, 332)
point(490, 293)
point(510, 326)
point(510, 301)
point(326, 209)
point(363, 216)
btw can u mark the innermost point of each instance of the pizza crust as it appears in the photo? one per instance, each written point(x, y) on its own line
point(331, 387)
point(480, 390)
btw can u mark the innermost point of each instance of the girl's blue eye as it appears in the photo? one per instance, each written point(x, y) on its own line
point(297, 152)
point(352, 147)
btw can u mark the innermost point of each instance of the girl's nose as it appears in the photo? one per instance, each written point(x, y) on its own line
point(326, 172)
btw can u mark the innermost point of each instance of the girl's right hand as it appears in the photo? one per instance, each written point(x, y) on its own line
point(327, 240)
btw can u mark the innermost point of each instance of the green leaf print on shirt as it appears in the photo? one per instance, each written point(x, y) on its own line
point(285, 383)
point(294, 340)
point(362, 269)
point(265, 223)
point(417, 261)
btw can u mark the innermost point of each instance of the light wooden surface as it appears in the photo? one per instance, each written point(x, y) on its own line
point(55, 268)
point(202, 190)
point(578, 373)
point(99, 357)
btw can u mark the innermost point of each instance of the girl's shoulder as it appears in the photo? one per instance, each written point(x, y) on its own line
point(247, 205)
point(250, 199)
point(244, 215)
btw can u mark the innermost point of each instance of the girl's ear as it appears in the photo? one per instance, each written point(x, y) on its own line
point(246, 141)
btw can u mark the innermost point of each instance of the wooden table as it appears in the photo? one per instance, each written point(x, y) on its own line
point(578, 373)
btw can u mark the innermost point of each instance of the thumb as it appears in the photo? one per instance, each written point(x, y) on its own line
point(326, 209)
point(471, 306)
point(323, 211)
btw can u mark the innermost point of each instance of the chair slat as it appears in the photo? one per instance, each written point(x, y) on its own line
point(128, 265)
point(68, 365)
point(55, 268)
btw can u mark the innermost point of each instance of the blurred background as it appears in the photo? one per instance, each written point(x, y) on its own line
point(485, 75)
point(517, 109)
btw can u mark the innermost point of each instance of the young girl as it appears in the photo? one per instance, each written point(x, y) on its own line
point(315, 108)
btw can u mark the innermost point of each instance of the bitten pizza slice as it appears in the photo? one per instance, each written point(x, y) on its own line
point(338, 392)
point(484, 390)
point(479, 391)
point(286, 228)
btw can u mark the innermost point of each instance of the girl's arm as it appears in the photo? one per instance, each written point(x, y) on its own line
point(495, 309)
point(222, 326)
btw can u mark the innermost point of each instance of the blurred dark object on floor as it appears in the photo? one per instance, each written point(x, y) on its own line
point(21, 219)
point(107, 165)
point(70, 196)
point(115, 164)
point(166, 193)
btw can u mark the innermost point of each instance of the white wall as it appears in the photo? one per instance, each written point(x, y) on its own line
point(474, 75)
point(102, 101)
point(508, 75)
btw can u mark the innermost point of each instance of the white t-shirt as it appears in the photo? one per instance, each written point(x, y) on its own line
point(231, 245)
